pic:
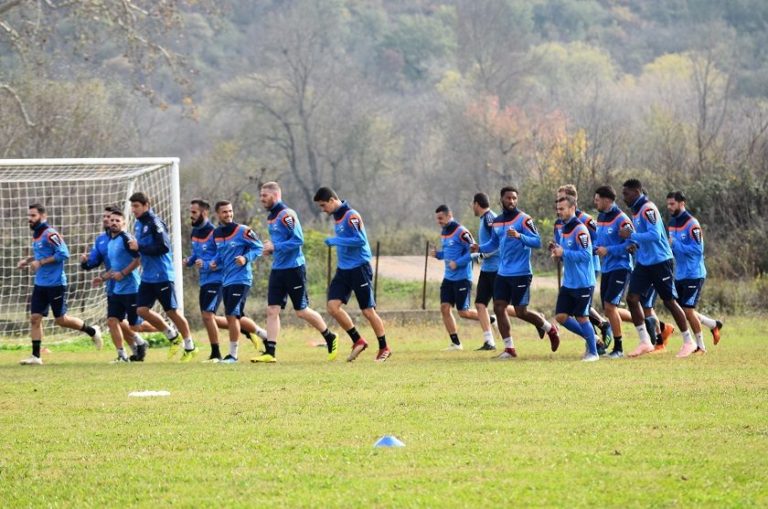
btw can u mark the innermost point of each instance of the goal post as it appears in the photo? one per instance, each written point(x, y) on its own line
point(75, 193)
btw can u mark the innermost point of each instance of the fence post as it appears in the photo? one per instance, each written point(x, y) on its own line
point(376, 273)
point(328, 269)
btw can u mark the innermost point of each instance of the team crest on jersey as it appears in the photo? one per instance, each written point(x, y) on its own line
point(531, 226)
point(696, 234)
point(591, 224)
point(650, 215)
point(55, 239)
point(584, 240)
point(467, 237)
point(626, 226)
point(355, 222)
point(145, 229)
point(289, 221)
point(251, 234)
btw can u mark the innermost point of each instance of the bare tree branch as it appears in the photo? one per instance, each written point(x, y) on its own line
point(19, 102)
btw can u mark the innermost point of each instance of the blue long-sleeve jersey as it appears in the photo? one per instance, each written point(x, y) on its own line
point(233, 240)
point(490, 260)
point(97, 256)
point(687, 246)
point(609, 224)
point(514, 254)
point(650, 234)
point(351, 241)
point(204, 248)
point(456, 241)
point(119, 256)
point(47, 242)
point(578, 260)
point(287, 237)
point(587, 221)
point(155, 248)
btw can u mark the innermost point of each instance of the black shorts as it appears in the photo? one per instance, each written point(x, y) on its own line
point(164, 292)
point(284, 283)
point(574, 301)
point(234, 299)
point(659, 276)
point(122, 307)
point(515, 290)
point(358, 280)
point(210, 297)
point(612, 286)
point(689, 292)
point(456, 293)
point(44, 297)
point(485, 287)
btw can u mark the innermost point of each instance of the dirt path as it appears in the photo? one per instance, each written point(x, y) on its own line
point(411, 268)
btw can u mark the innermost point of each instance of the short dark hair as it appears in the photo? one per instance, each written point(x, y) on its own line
point(111, 209)
point(117, 212)
point(634, 184)
point(39, 207)
point(677, 196)
point(569, 198)
point(606, 192)
point(482, 200)
point(507, 189)
point(443, 208)
point(201, 203)
point(139, 198)
point(221, 203)
point(325, 194)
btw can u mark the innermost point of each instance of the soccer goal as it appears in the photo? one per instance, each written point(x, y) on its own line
point(75, 192)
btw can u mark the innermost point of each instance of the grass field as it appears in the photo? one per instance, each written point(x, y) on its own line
point(543, 430)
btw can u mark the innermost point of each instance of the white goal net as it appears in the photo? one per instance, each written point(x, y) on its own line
point(75, 192)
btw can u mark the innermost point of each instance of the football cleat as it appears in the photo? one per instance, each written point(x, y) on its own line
point(590, 358)
point(554, 338)
point(98, 342)
point(716, 331)
point(508, 353)
point(384, 354)
point(357, 349)
point(333, 347)
point(212, 360)
point(175, 346)
point(265, 358)
point(141, 352)
point(606, 333)
point(642, 349)
point(120, 360)
point(229, 360)
point(616, 354)
point(659, 349)
point(31, 361)
point(699, 351)
point(454, 348)
point(487, 347)
point(666, 332)
point(188, 355)
point(686, 350)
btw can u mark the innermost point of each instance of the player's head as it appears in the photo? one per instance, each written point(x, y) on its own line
point(631, 191)
point(224, 212)
point(105, 217)
point(480, 203)
point(443, 215)
point(36, 215)
point(568, 190)
point(139, 204)
point(675, 202)
point(566, 207)
point(327, 200)
point(198, 211)
point(116, 221)
point(605, 196)
point(270, 194)
point(508, 197)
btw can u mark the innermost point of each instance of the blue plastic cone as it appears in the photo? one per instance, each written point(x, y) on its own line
point(388, 441)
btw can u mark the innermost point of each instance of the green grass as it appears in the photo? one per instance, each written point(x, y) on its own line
point(544, 430)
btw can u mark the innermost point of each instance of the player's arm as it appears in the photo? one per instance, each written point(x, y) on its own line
point(529, 235)
point(357, 239)
point(583, 251)
point(621, 247)
point(60, 249)
point(159, 242)
point(694, 244)
point(253, 246)
point(294, 239)
point(646, 231)
point(466, 241)
point(491, 246)
point(93, 260)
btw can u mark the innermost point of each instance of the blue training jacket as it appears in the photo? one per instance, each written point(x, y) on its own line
point(47, 242)
point(119, 256)
point(514, 254)
point(351, 241)
point(233, 240)
point(490, 260)
point(155, 248)
point(650, 234)
point(204, 248)
point(456, 241)
point(287, 237)
point(578, 260)
point(608, 225)
point(687, 246)
point(98, 255)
